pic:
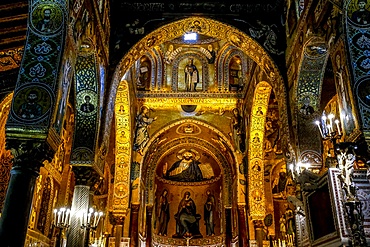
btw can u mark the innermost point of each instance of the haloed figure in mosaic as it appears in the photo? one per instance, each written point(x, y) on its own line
point(46, 24)
point(187, 219)
point(362, 15)
point(209, 213)
point(185, 170)
point(237, 130)
point(163, 213)
point(30, 109)
point(142, 124)
point(191, 76)
point(87, 107)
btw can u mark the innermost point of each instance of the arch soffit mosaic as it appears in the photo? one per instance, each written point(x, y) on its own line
point(218, 30)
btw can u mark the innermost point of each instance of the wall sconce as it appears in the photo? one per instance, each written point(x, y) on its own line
point(329, 127)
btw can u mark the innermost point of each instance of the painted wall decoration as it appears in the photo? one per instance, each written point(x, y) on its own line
point(11, 59)
point(268, 36)
point(87, 105)
point(358, 43)
point(37, 82)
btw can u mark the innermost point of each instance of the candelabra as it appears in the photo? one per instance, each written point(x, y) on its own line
point(327, 129)
point(61, 221)
point(345, 156)
point(89, 220)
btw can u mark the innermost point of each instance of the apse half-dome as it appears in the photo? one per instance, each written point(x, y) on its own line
point(188, 164)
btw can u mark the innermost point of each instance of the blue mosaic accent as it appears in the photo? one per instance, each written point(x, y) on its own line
point(358, 43)
point(87, 105)
point(37, 83)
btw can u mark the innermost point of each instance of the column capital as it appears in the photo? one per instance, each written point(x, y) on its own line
point(117, 218)
point(241, 207)
point(258, 224)
point(29, 153)
point(135, 207)
point(85, 175)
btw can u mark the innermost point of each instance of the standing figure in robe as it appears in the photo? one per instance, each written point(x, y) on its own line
point(163, 212)
point(191, 76)
point(209, 213)
point(142, 124)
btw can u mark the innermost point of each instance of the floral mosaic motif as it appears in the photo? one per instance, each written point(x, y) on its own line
point(37, 71)
point(365, 64)
point(363, 42)
point(41, 60)
point(43, 48)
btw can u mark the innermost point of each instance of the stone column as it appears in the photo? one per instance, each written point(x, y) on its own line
point(85, 177)
point(258, 227)
point(243, 238)
point(149, 213)
point(28, 158)
point(134, 225)
point(80, 203)
point(118, 221)
point(229, 226)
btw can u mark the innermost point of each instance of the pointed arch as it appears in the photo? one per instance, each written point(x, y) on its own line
point(214, 29)
point(210, 28)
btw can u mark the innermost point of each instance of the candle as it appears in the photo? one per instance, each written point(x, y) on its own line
point(67, 217)
point(318, 125)
point(88, 218)
point(100, 215)
point(55, 216)
point(62, 217)
point(59, 215)
point(329, 129)
point(331, 116)
point(337, 123)
point(95, 218)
